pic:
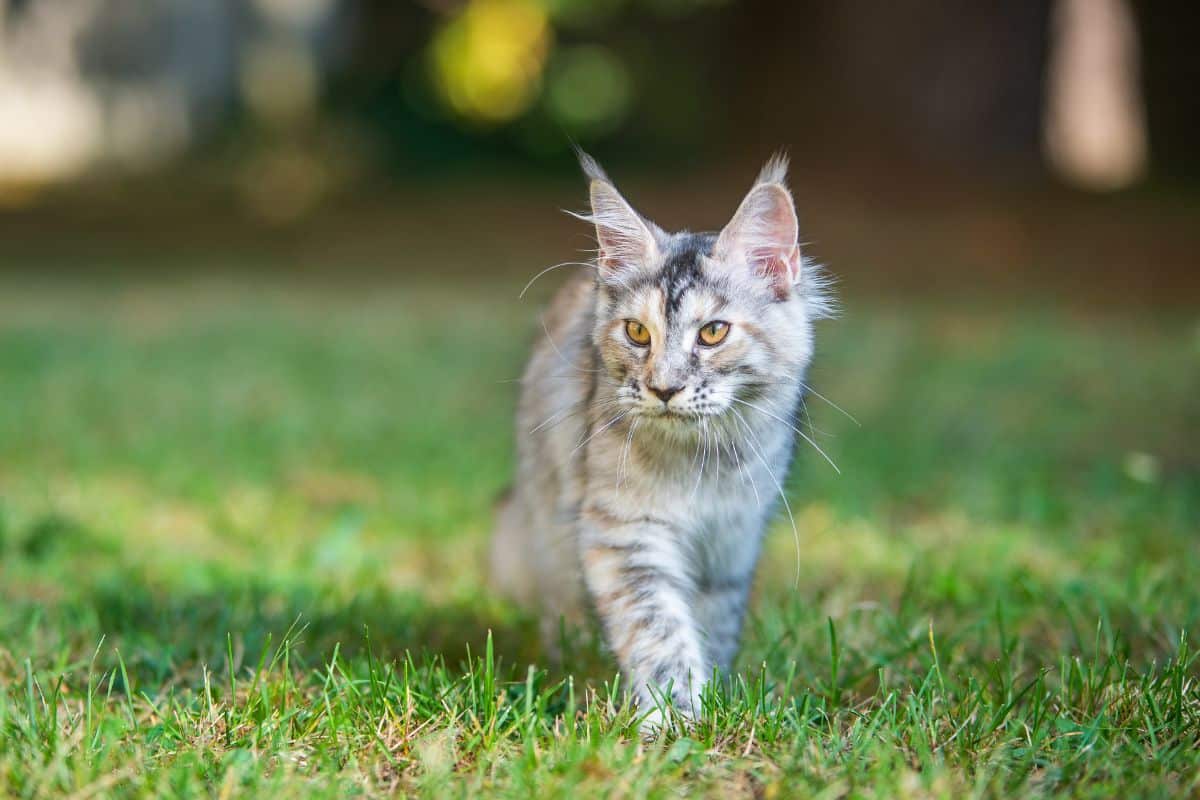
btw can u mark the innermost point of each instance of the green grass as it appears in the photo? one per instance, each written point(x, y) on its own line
point(241, 553)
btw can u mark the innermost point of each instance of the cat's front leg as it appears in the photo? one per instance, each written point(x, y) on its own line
point(638, 582)
point(721, 609)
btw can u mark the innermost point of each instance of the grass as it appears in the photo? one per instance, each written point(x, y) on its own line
point(242, 529)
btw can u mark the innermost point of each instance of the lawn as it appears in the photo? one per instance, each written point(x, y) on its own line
point(243, 526)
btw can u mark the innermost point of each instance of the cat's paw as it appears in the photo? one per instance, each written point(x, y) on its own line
point(653, 724)
point(657, 721)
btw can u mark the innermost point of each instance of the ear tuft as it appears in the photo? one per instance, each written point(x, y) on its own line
point(626, 240)
point(764, 232)
point(774, 171)
point(590, 166)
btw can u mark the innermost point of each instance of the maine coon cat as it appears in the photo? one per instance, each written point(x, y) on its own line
point(654, 430)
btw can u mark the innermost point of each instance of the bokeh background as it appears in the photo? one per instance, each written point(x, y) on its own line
point(264, 299)
point(1042, 149)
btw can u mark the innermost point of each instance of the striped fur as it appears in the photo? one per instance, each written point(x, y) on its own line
point(651, 512)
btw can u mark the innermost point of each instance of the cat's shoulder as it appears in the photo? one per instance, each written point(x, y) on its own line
point(572, 303)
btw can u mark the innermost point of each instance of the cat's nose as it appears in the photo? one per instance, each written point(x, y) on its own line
point(665, 394)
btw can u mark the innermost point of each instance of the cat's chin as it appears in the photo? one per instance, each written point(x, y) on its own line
point(675, 421)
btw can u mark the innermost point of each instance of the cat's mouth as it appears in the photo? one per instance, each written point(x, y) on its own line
point(674, 416)
point(661, 414)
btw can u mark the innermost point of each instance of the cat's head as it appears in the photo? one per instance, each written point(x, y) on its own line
point(689, 324)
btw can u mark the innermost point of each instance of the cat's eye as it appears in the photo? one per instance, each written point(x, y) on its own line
point(713, 333)
point(637, 332)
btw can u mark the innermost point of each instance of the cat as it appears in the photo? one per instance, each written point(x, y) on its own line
point(654, 430)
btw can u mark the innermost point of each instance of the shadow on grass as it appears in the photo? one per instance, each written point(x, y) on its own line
point(171, 633)
point(161, 633)
point(64, 591)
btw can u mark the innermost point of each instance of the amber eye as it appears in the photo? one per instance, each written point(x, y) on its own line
point(714, 333)
point(637, 333)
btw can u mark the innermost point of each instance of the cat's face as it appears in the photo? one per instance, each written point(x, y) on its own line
point(691, 326)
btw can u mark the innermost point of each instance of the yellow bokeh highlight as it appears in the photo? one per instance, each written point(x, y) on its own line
point(488, 60)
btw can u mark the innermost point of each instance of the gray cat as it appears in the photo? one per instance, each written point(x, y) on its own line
point(654, 432)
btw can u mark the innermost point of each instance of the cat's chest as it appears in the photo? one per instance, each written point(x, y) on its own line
point(706, 505)
point(721, 529)
point(722, 485)
point(711, 496)
point(715, 512)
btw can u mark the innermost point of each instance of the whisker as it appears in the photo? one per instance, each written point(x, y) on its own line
point(533, 280)
point(565, 360)
point(596, 433)
point(624, 462)
point(813, 429)
point(743, 471)
point(704, 458)
point(696, 456)
point(820, 396)
point(717, 438)
point(558, 415)
point(810, 390)
point(801, 433)
point(572, 411)
point(751, 438)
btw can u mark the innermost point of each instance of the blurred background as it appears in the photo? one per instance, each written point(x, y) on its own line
point(263, 316)
point(936, 147)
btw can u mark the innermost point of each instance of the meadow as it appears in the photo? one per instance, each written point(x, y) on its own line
point(243, 526)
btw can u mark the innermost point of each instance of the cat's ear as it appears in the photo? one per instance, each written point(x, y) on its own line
point(626, 240)
point(764, 231)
